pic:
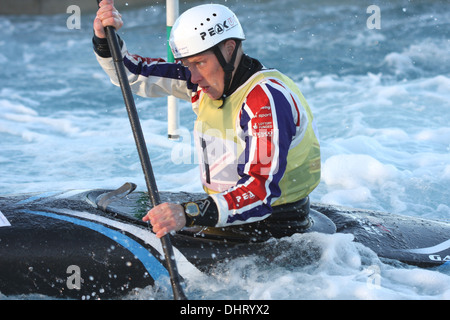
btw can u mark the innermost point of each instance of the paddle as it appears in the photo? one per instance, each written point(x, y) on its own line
point(143, 155)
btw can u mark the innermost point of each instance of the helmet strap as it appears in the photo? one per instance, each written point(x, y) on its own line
point(228, 67)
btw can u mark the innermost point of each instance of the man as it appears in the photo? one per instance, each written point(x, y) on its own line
point(254, 133)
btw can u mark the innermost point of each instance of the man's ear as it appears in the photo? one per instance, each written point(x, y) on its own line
point(229, 46)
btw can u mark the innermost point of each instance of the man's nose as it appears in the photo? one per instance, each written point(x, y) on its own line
point(195, 76)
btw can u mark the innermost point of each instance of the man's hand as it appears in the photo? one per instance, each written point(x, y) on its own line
point(165, 218)
point(107, 15)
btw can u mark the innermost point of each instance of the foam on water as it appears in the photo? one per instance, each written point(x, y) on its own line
point(311, 266)
point(380, 98)
point(391, 139)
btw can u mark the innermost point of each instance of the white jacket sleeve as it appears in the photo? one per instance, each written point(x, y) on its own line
point(150, 77)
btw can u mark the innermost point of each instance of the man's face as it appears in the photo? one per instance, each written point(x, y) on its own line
point(207, 72)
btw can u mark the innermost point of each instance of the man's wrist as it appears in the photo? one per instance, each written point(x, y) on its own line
point(201, 213)
point(101, 46)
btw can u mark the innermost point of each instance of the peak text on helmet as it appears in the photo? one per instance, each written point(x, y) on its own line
point(220, 28)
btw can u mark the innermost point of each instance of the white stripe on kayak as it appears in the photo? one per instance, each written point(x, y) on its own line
point(434, 249)
point(185, 268)
point(3, 221)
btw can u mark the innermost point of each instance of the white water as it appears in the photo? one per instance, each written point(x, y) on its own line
point(381, 99)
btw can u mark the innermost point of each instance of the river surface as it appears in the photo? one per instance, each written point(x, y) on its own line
point(377, 81)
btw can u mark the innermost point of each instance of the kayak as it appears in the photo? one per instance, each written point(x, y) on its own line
point(80, 244)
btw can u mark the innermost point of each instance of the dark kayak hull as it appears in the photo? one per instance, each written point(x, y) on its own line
point(66, 245)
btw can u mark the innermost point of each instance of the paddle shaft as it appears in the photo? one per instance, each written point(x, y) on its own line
point(143, 155)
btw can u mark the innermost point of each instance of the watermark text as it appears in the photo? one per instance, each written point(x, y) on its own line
point(374, 21)
point(74, 20)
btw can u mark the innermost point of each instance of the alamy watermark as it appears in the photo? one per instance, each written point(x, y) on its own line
point(74, 279)
point(374, 21)
point(373, 277)
point(74, 20)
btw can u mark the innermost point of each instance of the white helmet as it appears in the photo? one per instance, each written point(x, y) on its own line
point(203, 27)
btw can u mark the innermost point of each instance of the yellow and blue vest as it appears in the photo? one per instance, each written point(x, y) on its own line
point(260, 149)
